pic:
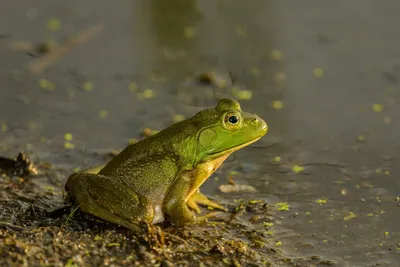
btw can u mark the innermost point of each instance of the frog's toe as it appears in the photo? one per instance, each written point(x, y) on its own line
point(193, 205)
point(204, 219)
point(215, 205)
point(200, 198)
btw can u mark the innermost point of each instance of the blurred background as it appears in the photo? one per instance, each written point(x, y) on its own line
point(84, 77)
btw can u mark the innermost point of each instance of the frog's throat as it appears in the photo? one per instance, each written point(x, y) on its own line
point(208, 167)
point(211, 165)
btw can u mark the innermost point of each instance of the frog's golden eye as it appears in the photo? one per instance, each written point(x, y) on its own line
point(232, 121)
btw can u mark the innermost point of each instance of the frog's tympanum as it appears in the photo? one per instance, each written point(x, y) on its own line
point(159, 177)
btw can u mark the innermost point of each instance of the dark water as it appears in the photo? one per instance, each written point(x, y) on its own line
point(328, 123)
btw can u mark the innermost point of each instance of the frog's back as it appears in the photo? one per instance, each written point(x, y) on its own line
point(177, 142)
point(151, 165)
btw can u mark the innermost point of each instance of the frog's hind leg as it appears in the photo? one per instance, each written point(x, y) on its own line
point(108, 199)
point(199, 198)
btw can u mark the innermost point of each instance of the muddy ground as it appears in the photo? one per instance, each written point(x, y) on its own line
point(79, 80)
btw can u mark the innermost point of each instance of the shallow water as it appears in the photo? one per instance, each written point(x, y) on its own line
point(350, 149)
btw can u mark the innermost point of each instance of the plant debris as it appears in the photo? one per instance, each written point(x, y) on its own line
point(20, 166)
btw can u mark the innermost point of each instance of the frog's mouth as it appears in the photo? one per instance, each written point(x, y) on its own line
point(233, 149)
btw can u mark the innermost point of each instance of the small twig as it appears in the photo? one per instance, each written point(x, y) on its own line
point(12, 226)
point(19, 46)
point(333, 164)
point(239, 210)
point(172, 236)
point(39, 65)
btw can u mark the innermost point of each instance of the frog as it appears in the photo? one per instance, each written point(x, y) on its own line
point(158, 178)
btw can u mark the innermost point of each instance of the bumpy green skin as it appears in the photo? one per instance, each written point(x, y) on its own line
point(160, 176)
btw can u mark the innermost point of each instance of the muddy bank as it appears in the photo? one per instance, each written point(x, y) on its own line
point(38, 228)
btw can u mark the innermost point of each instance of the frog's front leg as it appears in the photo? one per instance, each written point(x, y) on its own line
point(200, 198)
point(177, 200)
point(108, 199)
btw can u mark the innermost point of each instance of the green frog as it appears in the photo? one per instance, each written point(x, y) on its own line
point(158, 178)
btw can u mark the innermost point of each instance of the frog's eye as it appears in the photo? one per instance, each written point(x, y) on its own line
point(232, 121)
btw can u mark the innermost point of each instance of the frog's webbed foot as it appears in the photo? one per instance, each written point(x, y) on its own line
point(199, 198)
point(180, 214)
point(205, 218)
point(108, 199)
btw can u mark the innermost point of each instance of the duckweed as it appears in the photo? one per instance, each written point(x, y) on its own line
point(268, 224)
point(146, 94)
point(297, 168)
point(276, 55)
point(277, 159)
point(321, 201)
point(68, 136)
point(53, 24)
point(87, 87)
point(282, 206)
point(103, 113)
point(277, 104)
point(243, 94)
point(318, 72)
point(47, 85)
point(361, 138)
point(132, 141)
point(377, 107)
point(133, 87)
point(178, 118)
point(69, 145)
point(350, 216)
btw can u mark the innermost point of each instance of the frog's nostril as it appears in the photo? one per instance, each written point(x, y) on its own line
point(254, 120)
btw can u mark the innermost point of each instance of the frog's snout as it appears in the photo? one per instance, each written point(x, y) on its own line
point(260, 125)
